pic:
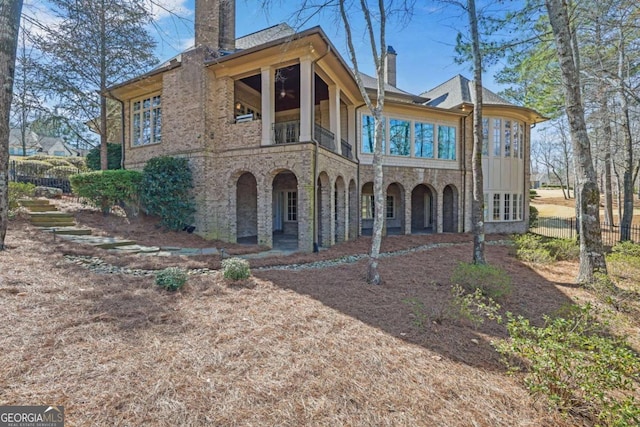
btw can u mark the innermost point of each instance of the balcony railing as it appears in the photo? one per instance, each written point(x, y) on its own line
point(346, 149)
point(325, 137)
point(289, 132)
point(286, 132)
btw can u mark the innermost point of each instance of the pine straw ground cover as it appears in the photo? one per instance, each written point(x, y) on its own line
point(285, 348)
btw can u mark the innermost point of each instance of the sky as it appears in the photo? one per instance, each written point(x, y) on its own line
point(425, 44)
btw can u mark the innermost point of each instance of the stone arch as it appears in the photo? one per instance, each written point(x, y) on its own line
point(246, 208)
point(450, 209)
point(324, 212)
point(423, 209)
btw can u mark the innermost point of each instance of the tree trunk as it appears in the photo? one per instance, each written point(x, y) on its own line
point(591, 252)
point(104, 153)
point(9, 24)
point(477, 201)
point(627, 176)
point(373, 275)
point(606, 130)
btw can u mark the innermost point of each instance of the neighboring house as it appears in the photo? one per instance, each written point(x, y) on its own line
point(35, 144)
point(280, 142)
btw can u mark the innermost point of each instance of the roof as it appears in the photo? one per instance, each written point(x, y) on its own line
point(372, 83)
point(458, 91)
point(264, 36)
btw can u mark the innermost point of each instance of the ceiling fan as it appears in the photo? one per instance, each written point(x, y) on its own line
point(284, 93)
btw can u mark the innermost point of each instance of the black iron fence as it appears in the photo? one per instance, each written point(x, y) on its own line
point(42, 175)
point(566, 228)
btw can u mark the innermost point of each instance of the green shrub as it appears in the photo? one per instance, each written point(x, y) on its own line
point(104, 189)
point(19, 190)
point(563, 249)
point(627, 248)
point(78, 162)
point(166, 182)
point(533, 194)
point(578, 368)
point(492, 281)
point(171, 278)
point(474, 307)
point(236, 269)
point(533, 217)
point(62, 172)
point(32, 167)
point(56, 161)
point(114, 157)
point(531, 248)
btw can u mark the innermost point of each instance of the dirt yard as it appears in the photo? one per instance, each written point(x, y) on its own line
point(315, 347)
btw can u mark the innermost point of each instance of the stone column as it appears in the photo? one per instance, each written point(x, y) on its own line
point(265, 211)
point(407, 210)
point(334, 116)
point(268, 106)
point(306, 99)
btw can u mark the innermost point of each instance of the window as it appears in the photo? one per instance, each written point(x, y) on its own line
point(399, 137)
point(507, 207)
point(497, 137)
point(446, 142)
point(423, 140)
point(146, 121)
point(515, 214)
point(369, 209)
point(507, 138)
point(516, 139)
point(292, 206)
point(485, 137)
point(368, 134)
point(496, 207)
point(390, 207)
point(367, 206)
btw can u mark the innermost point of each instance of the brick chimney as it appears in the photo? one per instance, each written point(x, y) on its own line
point(390, 65)
point(215, 24)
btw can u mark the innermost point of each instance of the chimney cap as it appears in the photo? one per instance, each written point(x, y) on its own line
point(391, 50)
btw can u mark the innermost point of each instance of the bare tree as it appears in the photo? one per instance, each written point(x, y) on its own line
point(379, 53)
point(97, 43)
point(587, 194)
point(9, 25)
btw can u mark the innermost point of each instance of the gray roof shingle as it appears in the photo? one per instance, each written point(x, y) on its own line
point(457, 91)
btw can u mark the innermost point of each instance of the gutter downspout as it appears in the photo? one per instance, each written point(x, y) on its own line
point(464, 168)
point(356, 156)
point(316, 247)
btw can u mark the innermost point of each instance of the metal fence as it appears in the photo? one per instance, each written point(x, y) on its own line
point(567, 228)
point(38, 175)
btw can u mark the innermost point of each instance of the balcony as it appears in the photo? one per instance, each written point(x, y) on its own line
point(289, 132)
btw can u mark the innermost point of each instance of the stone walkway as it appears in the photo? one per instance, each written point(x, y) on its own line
point(99, 266)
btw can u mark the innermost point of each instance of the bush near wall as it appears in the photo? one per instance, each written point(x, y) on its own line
point(105, 189)
point(165, 191)
point(19, 190)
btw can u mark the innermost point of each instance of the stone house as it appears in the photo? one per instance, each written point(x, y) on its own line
point(280, 142)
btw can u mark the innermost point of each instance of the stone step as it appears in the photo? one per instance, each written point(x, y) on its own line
point(42, 208)
point(34, 202)
point(99, 241)
point(55, 221)
point(49, 215)
point(59, 224)
point(70, 231)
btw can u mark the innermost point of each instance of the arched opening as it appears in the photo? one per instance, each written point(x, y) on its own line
point(366, 209)
point(394, 209)
point(247, 209)
point(450, 209)
point(340, 203)
point(285, 211)
point(423, 210)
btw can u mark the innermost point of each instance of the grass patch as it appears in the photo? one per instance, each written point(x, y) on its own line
point(492, 281)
